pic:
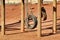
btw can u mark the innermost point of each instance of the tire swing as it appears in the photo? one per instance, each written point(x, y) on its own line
point(43, 14)
point(31, 20)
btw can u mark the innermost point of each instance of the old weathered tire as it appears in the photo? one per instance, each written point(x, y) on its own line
point(34, 19)
point(43, 13)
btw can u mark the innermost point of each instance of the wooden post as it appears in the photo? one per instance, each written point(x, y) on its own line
point(2, 17)
point(39, 19)
point(22, 17)
point(26, 12)
point(55, 16)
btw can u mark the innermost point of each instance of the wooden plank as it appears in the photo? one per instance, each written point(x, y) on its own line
point(2, 18)
point(22, 18)
point(39, 19)
point(26, 11)
point(55, 16)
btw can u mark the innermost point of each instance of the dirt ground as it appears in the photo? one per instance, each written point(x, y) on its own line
point(13, 13)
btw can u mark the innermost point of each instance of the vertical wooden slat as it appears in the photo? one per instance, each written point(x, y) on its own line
point(55, 16)
point(2, 18)
point(22, 17)
point(39, 19)
point(26, 11)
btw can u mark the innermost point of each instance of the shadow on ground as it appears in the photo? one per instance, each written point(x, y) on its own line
point(15, 26)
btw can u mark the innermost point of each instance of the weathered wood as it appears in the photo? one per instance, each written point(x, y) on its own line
point(54, 16)
point(26, 10)
point(22, 17)
point(39, 19)
point(2, 18)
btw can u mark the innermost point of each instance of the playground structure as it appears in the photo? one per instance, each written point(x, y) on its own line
point(22, 19)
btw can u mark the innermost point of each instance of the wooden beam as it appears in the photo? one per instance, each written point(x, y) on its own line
point(2, 18)
point(22, 17)
point(26, 12)
point(39, 19)
point(55, 16)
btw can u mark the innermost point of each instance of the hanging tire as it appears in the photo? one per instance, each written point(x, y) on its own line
point(43, 13)
point(31, 18)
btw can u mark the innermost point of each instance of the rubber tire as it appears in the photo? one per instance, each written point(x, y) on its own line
point(43, 13)
point(34, 19)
